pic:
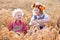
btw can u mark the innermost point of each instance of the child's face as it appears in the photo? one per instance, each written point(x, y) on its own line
point(37, 11)
point(18, 15)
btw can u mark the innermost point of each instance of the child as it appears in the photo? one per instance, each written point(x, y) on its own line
point(18, 25)
point(39, 17)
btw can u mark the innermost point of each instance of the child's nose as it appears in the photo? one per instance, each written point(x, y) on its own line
point(18, 15)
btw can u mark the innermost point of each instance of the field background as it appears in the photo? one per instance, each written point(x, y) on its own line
point(52, 30)
point(52, 6)
point(7, 6)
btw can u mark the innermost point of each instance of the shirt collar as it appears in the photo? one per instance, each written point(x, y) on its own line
point(41, 15)
point(18, 21)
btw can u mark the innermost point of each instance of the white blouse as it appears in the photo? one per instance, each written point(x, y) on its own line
point(45, 19)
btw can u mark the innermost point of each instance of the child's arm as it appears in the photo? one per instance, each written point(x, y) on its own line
point(32, 22)
point(10, 27)
point(24, 28)
point(45, 20)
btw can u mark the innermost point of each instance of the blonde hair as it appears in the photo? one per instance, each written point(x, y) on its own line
point(16, 10)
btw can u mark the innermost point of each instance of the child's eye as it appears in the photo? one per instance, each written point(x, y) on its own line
point(18, 15)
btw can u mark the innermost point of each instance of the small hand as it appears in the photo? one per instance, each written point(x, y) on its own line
point(34, 23)
point(40, 22)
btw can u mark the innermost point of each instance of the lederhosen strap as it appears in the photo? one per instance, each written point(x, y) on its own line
point(17, 27)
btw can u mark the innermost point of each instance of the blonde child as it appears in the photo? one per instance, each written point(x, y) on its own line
point(39, 17)
point(18, 25)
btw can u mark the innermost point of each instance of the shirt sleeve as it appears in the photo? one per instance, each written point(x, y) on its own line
point(45, 20)
point(31, 20)
point(24, 27)
point(10, 26)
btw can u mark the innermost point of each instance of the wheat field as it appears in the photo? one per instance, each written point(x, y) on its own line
point(52, 30)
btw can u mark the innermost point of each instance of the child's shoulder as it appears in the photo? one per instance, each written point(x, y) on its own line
point(46, 15)
point(23, 22)
point(12, 22)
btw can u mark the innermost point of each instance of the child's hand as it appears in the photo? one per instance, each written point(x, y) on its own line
point(40, 22)
point(34, 23)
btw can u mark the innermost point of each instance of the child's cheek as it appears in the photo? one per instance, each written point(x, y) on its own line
point(16, 17)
